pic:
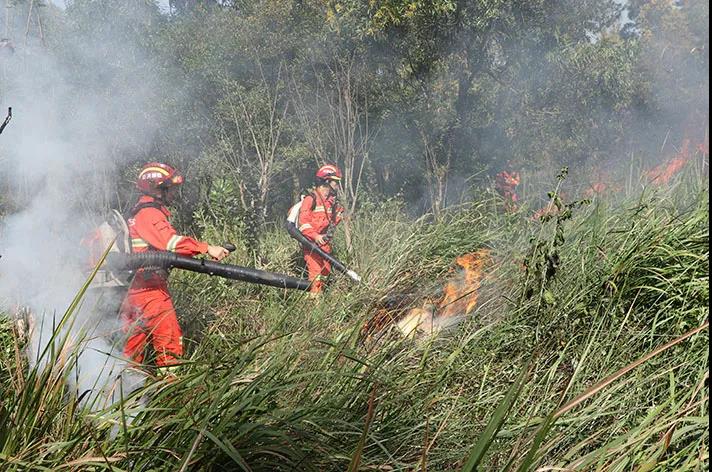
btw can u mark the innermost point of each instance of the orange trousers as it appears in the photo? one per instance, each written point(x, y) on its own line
point(318, 269)
point(148, 314)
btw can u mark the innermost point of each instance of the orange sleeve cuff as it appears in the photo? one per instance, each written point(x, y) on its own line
point(190, 247)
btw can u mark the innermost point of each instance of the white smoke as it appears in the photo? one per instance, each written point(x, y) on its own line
point(82, 108)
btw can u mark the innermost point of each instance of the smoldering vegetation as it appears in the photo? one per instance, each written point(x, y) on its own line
point(580, 343)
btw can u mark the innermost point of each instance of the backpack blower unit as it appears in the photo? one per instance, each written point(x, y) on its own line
point(292, 225)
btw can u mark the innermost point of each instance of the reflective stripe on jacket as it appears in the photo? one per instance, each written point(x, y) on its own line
point(149, 229)
point(313, 222)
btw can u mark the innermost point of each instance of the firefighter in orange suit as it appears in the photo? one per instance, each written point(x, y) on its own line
point(147, 312)
point(506, 185)
point(318, 216)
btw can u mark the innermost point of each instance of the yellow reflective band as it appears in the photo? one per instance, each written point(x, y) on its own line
point(154, 169)
point(173, 242)
point(305, 226)
point(138, 242)
point(318, 209)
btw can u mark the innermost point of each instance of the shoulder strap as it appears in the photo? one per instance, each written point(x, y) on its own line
point(134, 211)
point(334, 206)
point(140, 206)
point(310, 193)
point(313, 199)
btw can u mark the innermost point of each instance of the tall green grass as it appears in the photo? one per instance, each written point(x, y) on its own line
point(574, 380)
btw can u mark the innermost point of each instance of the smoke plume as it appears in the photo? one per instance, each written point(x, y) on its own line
point(83, 104)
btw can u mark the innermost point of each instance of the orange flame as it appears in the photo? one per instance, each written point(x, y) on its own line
point(548, 210)
point(663, 173)
point(460, 295)
point(596, 188)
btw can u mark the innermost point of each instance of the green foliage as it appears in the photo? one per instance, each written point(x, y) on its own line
point(441, 93)
point(276, 381)
point(432, 96)
point(542, 261)
point(495, 423)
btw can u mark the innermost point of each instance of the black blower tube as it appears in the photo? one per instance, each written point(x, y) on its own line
point(168, 260)
point(335, 263)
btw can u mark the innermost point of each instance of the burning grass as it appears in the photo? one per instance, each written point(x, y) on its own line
point(451, 304)
point(663, 173)
point(608, 371)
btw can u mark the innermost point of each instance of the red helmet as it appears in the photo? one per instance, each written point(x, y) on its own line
point(156, 176)
point(329, 172)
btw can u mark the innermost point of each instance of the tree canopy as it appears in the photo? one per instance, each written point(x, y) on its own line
point(411, 98)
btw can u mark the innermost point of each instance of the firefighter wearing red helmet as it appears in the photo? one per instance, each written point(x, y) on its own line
point(506, 186)
point(318, 216)
point(147, 312)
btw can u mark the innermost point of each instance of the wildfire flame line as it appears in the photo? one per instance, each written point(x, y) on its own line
point(459, 297)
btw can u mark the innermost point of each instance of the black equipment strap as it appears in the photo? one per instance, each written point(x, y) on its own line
point(7, 120)
point(134, 211)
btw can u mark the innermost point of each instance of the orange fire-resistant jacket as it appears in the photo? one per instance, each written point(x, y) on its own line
point(506, 184)
point(313, 222)
point(149, 229)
